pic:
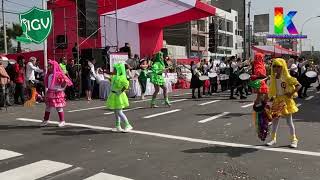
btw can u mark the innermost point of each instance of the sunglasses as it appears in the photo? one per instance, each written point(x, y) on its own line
point(276, 66)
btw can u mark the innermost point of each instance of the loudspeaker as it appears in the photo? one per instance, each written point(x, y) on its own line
point(87, 54)
point(61, 42)
point(88, 17)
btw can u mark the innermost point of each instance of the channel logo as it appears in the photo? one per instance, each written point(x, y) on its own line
point(280, 22)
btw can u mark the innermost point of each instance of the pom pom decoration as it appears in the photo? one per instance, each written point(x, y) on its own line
point(31, 102)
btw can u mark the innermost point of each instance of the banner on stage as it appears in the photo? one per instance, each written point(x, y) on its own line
point(117, 58)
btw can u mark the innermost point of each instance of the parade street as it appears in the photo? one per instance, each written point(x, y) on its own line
point(208, 138)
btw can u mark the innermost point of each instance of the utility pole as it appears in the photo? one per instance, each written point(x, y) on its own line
point(198, 39)
point(244, 31)
point(249, 18)
point(4, 30)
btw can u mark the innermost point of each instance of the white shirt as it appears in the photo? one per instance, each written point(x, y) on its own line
point(222, 77)
point(30, 71)
point(280, 89)
point(294, 68)
point(93, 74)
point(302, 66)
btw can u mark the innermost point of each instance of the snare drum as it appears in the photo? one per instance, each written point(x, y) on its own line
point(203, 78)
point(244, 76)
point(212, 75)
point(312, 76)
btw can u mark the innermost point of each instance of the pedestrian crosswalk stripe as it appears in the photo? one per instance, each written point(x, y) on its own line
point(247, 105)
point(163, 113)
point(5, 154)
point(309, 98)
point(125, 110)
point(34, 171)
point(298, 105)
point(318, 92)
point(87, 109)
point(210, 102)
point(105, 176)
point(214, 117)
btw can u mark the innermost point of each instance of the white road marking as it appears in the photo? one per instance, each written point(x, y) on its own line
point(214, 117)
point(247, 105)
point(125, 110)
point(177, 95)
point(318, 92)
point(310, 90)
point(187, 139)
point(309, 98)
point(5, 154)
point(178, 100)
point(105, 176)
point(34, 171)
point(87, 109)
point(210, 102)
point(160, 114)
point(142, 100)
point(298, 105)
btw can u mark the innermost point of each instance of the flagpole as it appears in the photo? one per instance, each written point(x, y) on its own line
point(45, 49)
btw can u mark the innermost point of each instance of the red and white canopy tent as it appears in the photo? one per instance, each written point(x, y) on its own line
point(274, 50)
point(141, 22)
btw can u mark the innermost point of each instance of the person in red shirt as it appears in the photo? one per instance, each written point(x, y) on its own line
point(19, 81)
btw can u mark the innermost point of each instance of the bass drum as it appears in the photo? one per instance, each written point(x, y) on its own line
point(312, 76)
point(244, 76)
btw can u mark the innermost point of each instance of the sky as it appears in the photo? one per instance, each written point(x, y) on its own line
point(305, 8)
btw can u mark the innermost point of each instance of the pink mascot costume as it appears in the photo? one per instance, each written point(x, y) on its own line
point(56, 82)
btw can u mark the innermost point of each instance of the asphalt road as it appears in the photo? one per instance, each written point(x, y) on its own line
point(205, 139)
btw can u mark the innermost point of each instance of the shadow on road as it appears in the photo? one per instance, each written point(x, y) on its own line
point(10, 127)
point(231, 151)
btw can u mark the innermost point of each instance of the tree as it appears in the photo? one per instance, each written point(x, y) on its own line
point(13, 33)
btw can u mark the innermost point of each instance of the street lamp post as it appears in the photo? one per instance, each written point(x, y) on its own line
point(303, 27)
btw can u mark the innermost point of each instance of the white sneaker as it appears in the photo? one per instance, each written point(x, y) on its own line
point(62, 124)
point(128, 128)
point(294, 143)
point(271, 143)
point(142, 97)
point(117, 129)
point(44, 123)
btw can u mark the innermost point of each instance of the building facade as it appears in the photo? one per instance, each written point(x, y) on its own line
point(194, 36)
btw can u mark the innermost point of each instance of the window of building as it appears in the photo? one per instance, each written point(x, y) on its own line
point(230, 26)
point(236, 18)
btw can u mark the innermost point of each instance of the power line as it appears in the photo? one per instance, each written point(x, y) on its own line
point(18, 4)
point(10, 12)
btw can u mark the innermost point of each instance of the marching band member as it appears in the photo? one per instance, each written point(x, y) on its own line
point(282, 90)
point(234, 78)
point(195, 81)
point(214, 78)
point(158, 68)
point(205, 70)
point(303, 80)
point(223, 75)
point(293, 68)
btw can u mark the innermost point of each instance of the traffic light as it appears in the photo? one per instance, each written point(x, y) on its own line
point(212, 38)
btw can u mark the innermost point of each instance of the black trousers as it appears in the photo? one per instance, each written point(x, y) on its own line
point(224, 85)
point(19, 93)
point(214, 85)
